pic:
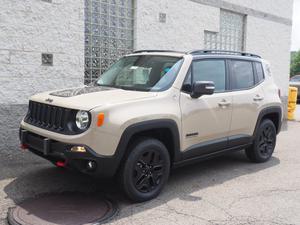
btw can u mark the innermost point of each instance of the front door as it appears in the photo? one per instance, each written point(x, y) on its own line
point(205, 120)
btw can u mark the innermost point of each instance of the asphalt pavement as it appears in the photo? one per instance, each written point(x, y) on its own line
point(226, 190)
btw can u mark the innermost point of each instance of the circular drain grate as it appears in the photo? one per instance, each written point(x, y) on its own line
point(67, 209)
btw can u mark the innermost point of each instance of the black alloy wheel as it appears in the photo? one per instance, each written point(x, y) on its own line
point(145, 170)
point(264, 142)
point(148, 171)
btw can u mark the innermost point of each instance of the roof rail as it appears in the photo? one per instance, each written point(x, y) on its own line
point(224, 52)
point(151, 50)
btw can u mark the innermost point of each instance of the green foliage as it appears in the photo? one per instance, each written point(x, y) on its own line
point(293, 55)
point(295, 63)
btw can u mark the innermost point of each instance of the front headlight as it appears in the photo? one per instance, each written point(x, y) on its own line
point(82, 119)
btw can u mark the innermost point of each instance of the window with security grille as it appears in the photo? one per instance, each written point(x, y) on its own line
point(231, 35)
point(108, 34)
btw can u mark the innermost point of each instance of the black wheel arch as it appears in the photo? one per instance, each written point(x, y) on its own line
point(273, 113)
point(145, 128)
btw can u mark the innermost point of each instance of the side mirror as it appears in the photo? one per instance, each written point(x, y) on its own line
point(200, 88)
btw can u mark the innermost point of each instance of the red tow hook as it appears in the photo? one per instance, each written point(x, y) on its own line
point(24, 146)
point(61, 163)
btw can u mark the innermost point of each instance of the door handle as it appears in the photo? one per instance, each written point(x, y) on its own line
point(258, 98)
point(224, 103)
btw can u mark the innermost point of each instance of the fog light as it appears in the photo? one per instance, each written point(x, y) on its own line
point(80, 149)
point(91, 165)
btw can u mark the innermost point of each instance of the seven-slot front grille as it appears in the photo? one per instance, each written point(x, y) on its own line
point(49, 117)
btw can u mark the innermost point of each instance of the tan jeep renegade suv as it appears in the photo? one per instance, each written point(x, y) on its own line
point(155, 110)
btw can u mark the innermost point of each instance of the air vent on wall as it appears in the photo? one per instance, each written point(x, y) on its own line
point(47, 59)
point(162, 17)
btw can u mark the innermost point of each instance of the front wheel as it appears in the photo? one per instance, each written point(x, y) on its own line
point(264, 142)
point(145, 170)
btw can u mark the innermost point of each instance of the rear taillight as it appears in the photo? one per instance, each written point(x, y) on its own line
point(24, 146)
point(61, 163)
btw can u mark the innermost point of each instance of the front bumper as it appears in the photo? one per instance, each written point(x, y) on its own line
point(56, 151)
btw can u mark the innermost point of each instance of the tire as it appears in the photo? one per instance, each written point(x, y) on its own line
point(264, 143)
point(145, 170)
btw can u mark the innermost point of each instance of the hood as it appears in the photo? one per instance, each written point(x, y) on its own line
point(87, 98)
point(293, 83)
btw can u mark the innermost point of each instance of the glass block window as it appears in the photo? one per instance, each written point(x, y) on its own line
point(108, 34)
point(231, 35)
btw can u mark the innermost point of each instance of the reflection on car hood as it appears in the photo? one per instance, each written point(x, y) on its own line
point(79, 91)
point(87, 98)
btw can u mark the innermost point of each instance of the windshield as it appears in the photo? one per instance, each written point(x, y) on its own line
point(295, 78)
point(142, 73)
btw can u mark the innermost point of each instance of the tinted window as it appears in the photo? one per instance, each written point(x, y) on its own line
point(210, 70)
point(295, 79)
point(241, 74)
point(259, 71)
point(187, 84)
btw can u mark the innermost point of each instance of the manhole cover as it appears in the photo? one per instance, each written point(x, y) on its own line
point(67, 209)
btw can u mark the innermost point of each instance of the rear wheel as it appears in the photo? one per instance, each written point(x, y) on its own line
point(264, 143)
point(145, 170)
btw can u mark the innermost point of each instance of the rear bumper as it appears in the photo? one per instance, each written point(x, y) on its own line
point(56, 151)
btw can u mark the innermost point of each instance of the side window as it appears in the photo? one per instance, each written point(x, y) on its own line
point(242, 75)
point(259, 71)
point(210, 70)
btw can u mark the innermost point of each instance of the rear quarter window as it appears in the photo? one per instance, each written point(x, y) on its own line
point(259, 71)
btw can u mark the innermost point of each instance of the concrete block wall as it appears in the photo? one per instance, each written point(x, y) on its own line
point(28, 29)
point(267, 32)
point(184, 27)
point(272, 41)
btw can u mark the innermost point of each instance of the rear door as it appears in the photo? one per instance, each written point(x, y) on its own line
point(248, 98)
